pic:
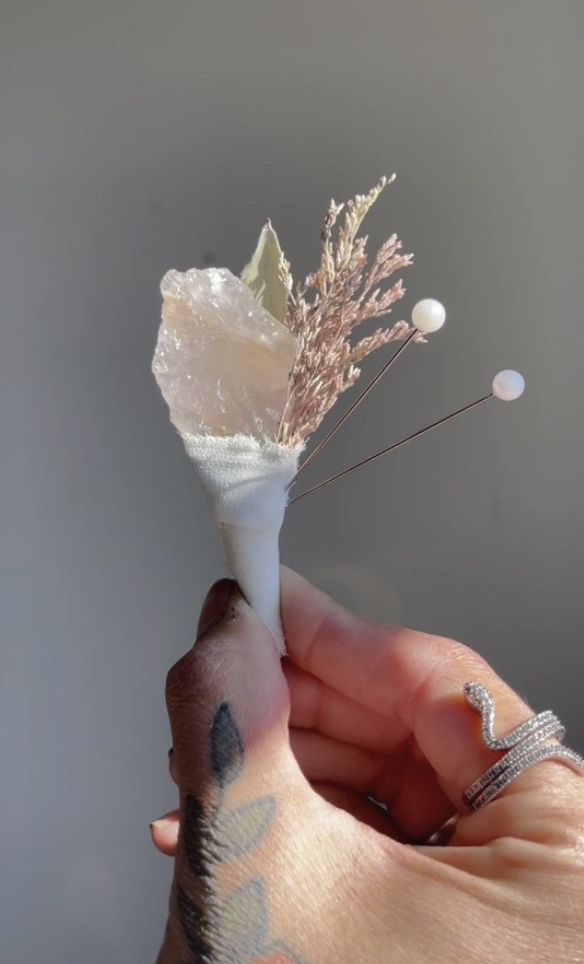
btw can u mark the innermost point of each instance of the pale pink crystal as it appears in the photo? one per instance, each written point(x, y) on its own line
point(221, 362)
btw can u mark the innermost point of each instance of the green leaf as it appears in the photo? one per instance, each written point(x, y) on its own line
point(268, 273)
point(239, 831)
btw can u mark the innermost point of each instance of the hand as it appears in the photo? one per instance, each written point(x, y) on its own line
point(283, 856)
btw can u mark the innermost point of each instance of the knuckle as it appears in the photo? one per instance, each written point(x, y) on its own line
point(188, 679)
point(200, 675)
point(453, 652)
point(180, 677)
point(457, 652)
point(454, 656)
point(566, 801)
point(449, 664)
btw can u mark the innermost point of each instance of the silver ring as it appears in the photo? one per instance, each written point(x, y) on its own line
point(526, 745)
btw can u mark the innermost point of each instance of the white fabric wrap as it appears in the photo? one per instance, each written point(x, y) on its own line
point(245, 481)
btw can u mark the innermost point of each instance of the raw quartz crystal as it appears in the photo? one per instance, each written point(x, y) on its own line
point(222, 362)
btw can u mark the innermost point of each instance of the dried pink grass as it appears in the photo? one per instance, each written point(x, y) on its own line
point(326, 309)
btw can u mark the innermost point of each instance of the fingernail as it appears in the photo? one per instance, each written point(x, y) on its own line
point(160, 824)
point(215, 605)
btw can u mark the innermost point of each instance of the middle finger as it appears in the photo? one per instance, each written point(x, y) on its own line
point(403, 781)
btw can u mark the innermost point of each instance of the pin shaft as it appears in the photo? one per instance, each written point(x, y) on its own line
point(396, 445)
point(352, 407)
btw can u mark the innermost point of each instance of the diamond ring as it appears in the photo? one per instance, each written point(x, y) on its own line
point(535, 740)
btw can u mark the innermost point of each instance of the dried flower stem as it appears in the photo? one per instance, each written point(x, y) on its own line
point(326, 309)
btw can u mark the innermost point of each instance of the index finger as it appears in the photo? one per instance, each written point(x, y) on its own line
point(408, 677)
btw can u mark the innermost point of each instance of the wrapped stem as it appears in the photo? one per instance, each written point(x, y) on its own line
point(253, 557)
point(245, 480)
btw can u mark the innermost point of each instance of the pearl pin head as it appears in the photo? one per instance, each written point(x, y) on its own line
point(428, 315)
point(508, 385)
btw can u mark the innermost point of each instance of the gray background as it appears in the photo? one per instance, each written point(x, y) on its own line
point(136, 136)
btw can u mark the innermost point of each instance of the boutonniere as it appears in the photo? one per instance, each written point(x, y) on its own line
point(250, 366)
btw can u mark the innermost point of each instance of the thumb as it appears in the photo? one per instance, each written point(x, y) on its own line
point(228, 704)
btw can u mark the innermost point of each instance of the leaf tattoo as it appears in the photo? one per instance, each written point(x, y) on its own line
point(241, 830)
point(226, 746)
point(193, 924)
point(194, 835)
point(235, 930)
point(244, 920)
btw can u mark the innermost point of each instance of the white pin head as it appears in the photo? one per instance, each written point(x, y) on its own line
point(428, 315)
point(508, 385)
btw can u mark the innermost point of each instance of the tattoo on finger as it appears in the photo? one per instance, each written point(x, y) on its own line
point(235, 929)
